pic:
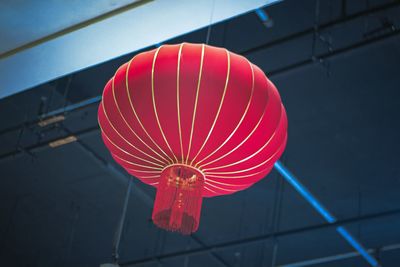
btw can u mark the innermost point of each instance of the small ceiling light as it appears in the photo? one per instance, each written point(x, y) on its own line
point(63, 141)
point(51, 120)
point(264, 17)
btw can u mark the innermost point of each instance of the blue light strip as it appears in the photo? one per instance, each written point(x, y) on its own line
point(304, 192)
point(290, 178)
point(357, 245)
point(262, 14)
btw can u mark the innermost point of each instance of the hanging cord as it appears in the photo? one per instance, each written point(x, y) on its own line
point(66, 91)
point(120, 227)
point(210, 23)
point(316, 28)
point(276, 220)
point(327, 41)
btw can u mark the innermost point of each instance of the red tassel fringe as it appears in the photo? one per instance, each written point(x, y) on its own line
point(178, 200)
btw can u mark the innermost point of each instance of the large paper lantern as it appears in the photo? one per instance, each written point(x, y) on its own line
point(193, 121)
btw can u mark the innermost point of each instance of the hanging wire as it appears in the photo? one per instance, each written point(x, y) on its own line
point(210, 23)
point(66, 91)
point(316, 28)
point(120, 227)
point(276, 222)
point(318, 37)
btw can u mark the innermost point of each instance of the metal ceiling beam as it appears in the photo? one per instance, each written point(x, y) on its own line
point(330, 55)
point(322, 27)
point(124, 32)
point(30, 150)
point(64, 111)
point(261, 238)
point(338, 257)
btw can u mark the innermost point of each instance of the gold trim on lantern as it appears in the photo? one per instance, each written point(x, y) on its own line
point(136, 164)
point(205, 187)
point(220, 183)
point(154, 103)
point(149, 177)
point(196, 101)
point(126, 152)
point(240, 121)
point(137, 117)
point(246, 158)
point(220, 188)
point(185, 165)
point(177, 99)
point(234, 177)
point(127, 124)
point(239, 145)
point(248, 169)
point(219, 108)
point(120, 135)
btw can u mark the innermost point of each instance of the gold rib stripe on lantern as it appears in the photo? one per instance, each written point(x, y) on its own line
point(219, 108)
point(120, 135)
point(136, 116)
point(177, 99)
point(154, 104)
point(239, 123)
point(196, 100)
point(127, 124)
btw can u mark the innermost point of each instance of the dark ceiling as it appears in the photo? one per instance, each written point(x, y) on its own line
point(336, 65)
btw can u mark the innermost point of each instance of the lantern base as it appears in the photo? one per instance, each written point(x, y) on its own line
point(178, 200)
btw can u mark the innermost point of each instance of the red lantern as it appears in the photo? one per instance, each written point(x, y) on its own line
point(193, 121)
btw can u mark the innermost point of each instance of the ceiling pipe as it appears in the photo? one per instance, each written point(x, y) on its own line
point(259, 238)
point(338, 257)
